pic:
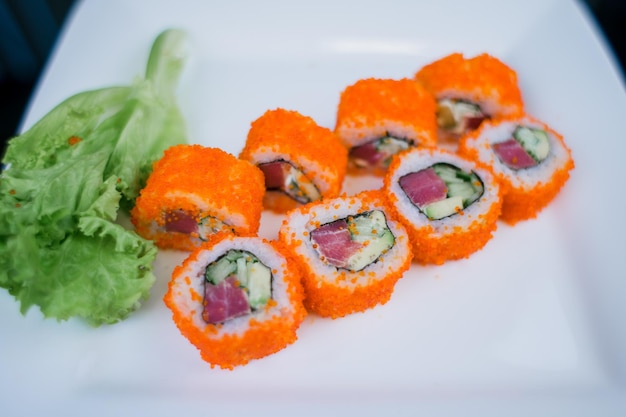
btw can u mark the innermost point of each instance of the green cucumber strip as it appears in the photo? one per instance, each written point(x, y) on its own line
point(259, 284)
point(208, 226)
point(446, 172)
point(242, 271)
point(299, 186)
point(369, 227)
point(220, 270)
point(463, 189)
point(444, 208)
point(534, 141)
point(253, 276)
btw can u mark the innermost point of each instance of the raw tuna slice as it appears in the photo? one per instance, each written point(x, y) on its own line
point(424, 187)
point(274, 173)
point(335, 242)
point(367, 154)
point(181, 222)
point(224, 301)
point(513, 154)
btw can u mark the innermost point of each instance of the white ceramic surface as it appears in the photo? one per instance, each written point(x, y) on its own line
point(531, 325)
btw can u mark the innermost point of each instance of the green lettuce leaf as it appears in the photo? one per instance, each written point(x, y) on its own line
point(102, 276)
point(63, 182)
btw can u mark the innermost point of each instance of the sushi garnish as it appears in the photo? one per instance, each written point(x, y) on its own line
point(237, 283)
point(441, 190)
point(283, 176)
point(527, 148)
point(378, 152)
point(354, 242)
point(459, 116)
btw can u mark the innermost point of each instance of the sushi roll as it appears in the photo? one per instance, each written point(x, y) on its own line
point(236, 299)
point(377, 118)
point(531, 161)
point(468, 91)
point(195, 191)
point(351, 252)
point(449, 205)
point(301, 161)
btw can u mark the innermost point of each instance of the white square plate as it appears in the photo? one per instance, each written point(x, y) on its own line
point(531, 325)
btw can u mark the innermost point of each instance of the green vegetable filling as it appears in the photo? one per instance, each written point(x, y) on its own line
point(300, 187)
point(369, 229)
point(463, 189)
point(354, 242)
point(535, 141)
point(209, 225)
point(251, 274)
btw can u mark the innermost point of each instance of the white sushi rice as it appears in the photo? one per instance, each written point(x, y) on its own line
point(418, 159)
point(357, 132)
point(300, 223)
point(188, 306)
point(489, 105)
point(492, 132)
point(204, 206)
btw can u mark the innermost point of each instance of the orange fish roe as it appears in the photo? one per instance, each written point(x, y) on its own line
point(522, 199)
point(451, 238)
point(201, 184)
point(523, 204)
point(375, 108)
point(238, 341)
point(331, 300)
point(482, 77)
point(73, 140)
point(336, 292)
point(297, 139)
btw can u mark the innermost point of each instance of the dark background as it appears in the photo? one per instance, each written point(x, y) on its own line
point(28, 31)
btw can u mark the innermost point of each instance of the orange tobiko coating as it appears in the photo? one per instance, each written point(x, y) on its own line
point(389, 105)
